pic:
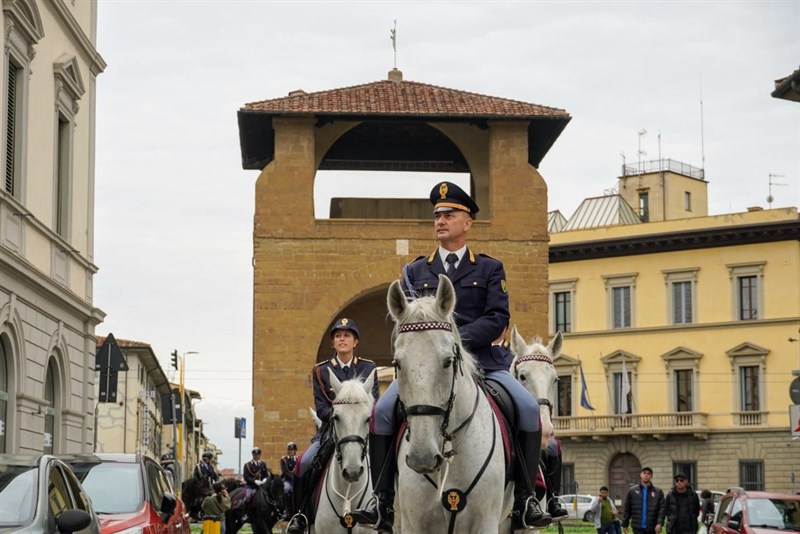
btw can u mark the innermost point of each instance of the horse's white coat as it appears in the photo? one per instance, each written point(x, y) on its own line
point(424, 365)
point(347, 483)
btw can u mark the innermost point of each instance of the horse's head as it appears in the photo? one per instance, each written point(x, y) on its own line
point(533, 367)
point(430, 363)
point(352, 408)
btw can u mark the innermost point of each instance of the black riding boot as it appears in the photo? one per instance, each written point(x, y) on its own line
point(378, 512)
point(299, 521)
point(552, 477)
point(527, 513)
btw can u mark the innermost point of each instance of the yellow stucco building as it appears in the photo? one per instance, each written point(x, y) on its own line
point(703, 315)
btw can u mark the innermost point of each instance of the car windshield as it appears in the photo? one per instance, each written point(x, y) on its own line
point(115, 488)
point(19, 486)
point(774, 513)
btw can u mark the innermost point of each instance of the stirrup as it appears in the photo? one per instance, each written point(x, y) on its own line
point(544, 521)
point(301, 517)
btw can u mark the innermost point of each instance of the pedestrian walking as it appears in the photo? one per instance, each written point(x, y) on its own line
point(644, 506)
point(683, 507)
point(605, 513)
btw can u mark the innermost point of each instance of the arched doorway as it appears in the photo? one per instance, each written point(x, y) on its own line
point(623, 472)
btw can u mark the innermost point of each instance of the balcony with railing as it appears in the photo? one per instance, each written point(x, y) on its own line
point(636, 426)
point(663, 165)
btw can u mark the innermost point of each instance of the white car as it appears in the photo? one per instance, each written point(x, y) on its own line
point(578, 506)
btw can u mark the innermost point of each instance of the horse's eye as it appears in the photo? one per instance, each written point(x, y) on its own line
point(367, 420)
point(522, 378)
point(448, 363)
point(335, 417)
point(396, 364)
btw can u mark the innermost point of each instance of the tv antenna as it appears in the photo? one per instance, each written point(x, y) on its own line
point(770, 198)
point(641, 152)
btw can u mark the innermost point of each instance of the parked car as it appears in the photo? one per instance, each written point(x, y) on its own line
point(757, 512)
point(39, 494)
point(130, 493)
point(578, 506)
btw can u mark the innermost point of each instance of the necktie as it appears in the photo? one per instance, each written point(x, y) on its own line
point(451, 260)
point(347, 372)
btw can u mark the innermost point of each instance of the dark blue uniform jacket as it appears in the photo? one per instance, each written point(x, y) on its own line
point(323, 392)
point(254, 471)
point(481, 298)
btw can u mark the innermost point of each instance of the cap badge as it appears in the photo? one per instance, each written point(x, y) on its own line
point(443, 190)
point(345, 321)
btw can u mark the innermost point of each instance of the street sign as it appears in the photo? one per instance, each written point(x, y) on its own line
point(794, 390)
point(794, 420)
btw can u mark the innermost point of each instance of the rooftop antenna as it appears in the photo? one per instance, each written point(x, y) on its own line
point(770, 198)
point(393, 37)
point(642, 152)
point(702, 140)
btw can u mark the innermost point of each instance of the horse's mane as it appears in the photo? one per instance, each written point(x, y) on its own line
point(425, 309)
point(352, 392)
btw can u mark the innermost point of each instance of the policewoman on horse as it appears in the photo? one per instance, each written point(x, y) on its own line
point(345, 365)
point(482, 314)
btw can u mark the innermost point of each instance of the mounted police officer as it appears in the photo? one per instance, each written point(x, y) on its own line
point(288, 463)
point(255, 471)
point(205, 471)
point(346, 366)
point(481, 315)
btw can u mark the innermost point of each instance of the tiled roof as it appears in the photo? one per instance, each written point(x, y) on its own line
point(124, 343)
point(401, 98)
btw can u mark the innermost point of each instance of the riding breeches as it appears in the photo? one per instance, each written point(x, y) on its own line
point(384, 417)
point(308, 456)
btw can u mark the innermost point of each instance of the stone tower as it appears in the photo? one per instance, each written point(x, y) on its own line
point(308, 271)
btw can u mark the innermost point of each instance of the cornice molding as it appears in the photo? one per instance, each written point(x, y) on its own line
point(96, 62)
point(675, 241)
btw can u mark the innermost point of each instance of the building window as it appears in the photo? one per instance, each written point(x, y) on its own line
point(564, 396)
point(751, 475)
point(63, 165)
point(621, 291)
point(562, 305)
point(12, 125)
point(3, 397)
point(644, 206)
point(687, 201)
point(49, 438)
point(687, 468)
point(747, 289)
point(681, 295)
point(684, 399)
point(748, 383)
point(568, 484)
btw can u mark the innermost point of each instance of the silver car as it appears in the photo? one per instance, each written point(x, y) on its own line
point(40, 495)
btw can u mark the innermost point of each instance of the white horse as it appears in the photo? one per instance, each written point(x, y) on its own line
point(451, 460)
point(347, 483)
point(533, 368)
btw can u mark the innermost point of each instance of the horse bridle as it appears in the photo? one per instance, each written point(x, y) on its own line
point(350, 438)
point(535, 357)
point(456, 361)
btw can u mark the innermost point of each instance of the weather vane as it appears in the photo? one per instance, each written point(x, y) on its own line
point(393, 37)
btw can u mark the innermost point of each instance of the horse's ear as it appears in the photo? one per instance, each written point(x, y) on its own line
point(396, 301)
point(555, 345)
point(368, 383)
point(335, 384)
point(446, 296)
point(518, 345)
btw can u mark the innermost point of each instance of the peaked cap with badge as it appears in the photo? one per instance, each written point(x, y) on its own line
point(479, 281)
point(447, 196)
point(358, 368)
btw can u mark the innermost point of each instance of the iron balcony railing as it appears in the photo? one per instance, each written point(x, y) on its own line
point(663, 165)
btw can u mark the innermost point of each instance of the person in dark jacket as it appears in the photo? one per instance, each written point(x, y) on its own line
point(644, 506)
point(707, 504)
point(682, 507)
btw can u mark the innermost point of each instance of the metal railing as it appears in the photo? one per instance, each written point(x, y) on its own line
point(663, 165)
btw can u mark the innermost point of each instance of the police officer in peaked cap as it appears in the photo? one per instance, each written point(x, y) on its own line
point(481, 314)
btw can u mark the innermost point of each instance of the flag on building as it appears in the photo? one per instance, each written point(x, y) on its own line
point(584, 391)
point(625, 390)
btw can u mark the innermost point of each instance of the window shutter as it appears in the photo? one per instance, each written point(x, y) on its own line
point(11, 116)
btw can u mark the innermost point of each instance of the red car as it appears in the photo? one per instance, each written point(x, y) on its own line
point(757, 512)
point(131, 493)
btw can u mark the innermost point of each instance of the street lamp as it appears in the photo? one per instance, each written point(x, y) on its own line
point(179, 452)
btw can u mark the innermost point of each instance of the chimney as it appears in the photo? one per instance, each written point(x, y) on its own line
point(395, 75)
point(755, 208)
point(297, 92)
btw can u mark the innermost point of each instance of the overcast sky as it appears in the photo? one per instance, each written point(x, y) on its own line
point(174, 208)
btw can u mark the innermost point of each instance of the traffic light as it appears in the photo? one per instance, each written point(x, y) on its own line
point(175, 359)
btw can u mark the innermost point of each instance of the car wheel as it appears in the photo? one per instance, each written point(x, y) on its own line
point(588, 516)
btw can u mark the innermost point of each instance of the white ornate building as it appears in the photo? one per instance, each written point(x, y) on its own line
point(47, 316)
